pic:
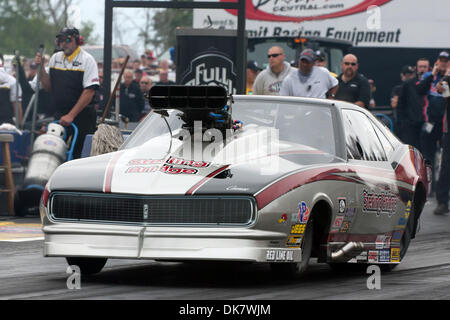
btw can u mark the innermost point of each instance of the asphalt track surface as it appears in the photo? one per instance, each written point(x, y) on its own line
point(26, 274)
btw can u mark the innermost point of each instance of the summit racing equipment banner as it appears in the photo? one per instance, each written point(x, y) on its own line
point(366, 23)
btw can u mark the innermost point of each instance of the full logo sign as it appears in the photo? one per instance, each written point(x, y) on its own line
point(211, 69)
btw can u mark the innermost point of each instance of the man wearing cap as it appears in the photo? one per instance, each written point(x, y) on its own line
point(353, 86)
point(268, 81)
point(72, 81)
point(410, 105)
point(321, 61)
point(434, 112)
point(309, 81)
point(252, 73)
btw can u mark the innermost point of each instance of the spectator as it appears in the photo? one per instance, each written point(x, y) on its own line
point(137, 65)
point(321, 61)
point(410, 105)
point(404, 74)
point(268, 81)
point(422, 67)
point(353, 87)
point(443, 183)
point(138, 73)
point(8, 96)
point(310, 80)
point(252, 73)
point(164, 78)
point(434, 112)
point(131, 98)
point(32, 71)
point(146, 85)
point(72, 82)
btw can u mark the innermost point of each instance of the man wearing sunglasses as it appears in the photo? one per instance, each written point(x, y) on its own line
point(268, 81)
point(72, 81)
point(353, 87)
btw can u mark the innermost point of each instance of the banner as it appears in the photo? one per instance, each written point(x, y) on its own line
point(367, 23)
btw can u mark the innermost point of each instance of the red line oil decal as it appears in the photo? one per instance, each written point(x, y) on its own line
point(303, 10)
point(168, 166)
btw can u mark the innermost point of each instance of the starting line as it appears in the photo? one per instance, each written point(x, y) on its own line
point(20, 232)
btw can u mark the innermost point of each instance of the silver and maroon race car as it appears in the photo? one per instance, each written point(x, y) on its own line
point(245, 178)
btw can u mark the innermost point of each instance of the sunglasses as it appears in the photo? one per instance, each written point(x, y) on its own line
point(144, 82)
point(273, 55)
point(65, 39)
point(350, 63)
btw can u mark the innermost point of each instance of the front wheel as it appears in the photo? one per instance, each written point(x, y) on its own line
point(289, 270)
point(88, 266)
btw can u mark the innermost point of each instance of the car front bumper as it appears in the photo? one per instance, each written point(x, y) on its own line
point(166, 243)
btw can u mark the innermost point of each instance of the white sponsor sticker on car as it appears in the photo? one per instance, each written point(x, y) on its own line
point(281, 255)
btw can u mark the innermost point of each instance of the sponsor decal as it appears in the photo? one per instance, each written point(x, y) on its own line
point(408, 209)
point(350, 213)
point(296, 236)
point(280, 255)
point(397, 236)
point(303, 212)
point(303, 10)
point(158, 165)
point(50, 143)
point(342, 202)
point(345, 227)
point(383, 242)
point(211, 68)
point(338, 222)
point(384, 256)
point(379, 203)
point(395, 254)
point(283, 218)
point(372, 256)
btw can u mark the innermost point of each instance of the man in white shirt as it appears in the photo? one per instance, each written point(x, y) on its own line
point(310, 80)
point(8, 96)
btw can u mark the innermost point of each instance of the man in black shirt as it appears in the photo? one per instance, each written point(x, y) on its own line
point(443, 184)
point(353, 87)
point(131, 98)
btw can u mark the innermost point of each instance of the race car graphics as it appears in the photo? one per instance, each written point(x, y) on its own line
point(152, 165)
point(379, 203)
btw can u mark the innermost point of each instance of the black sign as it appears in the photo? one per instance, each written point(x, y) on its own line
point(207, 57)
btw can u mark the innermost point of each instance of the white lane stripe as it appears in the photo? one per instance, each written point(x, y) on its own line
point(24, 239)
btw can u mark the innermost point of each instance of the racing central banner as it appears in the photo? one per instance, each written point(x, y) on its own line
point(366, 23)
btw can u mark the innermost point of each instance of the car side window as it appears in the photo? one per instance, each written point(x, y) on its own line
point(388, 148)
point(362, 142)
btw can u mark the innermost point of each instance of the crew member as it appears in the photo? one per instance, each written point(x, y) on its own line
point(8, 96)
point(353, 87)
point(309, 81)
point(72, 81)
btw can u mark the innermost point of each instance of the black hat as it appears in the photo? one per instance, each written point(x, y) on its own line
point(443, 54)
point(253, 65)
point(68, 32)
point(407, 70)
point(308, 54)
point(320, 55)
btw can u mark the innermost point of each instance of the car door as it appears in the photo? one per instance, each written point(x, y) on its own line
point(377, 194)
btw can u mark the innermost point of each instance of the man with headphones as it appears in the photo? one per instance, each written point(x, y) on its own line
point(72, 81)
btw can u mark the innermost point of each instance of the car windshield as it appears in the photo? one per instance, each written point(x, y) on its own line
point(305, 124)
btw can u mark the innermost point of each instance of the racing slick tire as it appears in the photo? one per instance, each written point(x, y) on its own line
point(290, 270)
point(88, 266)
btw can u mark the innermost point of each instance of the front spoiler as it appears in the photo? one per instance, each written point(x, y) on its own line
point(166, 243)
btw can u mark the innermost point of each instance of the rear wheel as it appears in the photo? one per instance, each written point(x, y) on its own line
point(88, 266)
point(289, 270)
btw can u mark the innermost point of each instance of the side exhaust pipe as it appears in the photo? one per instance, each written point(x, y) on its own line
point(354, 248)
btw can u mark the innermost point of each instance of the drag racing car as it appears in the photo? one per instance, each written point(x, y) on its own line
point(261, 179)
